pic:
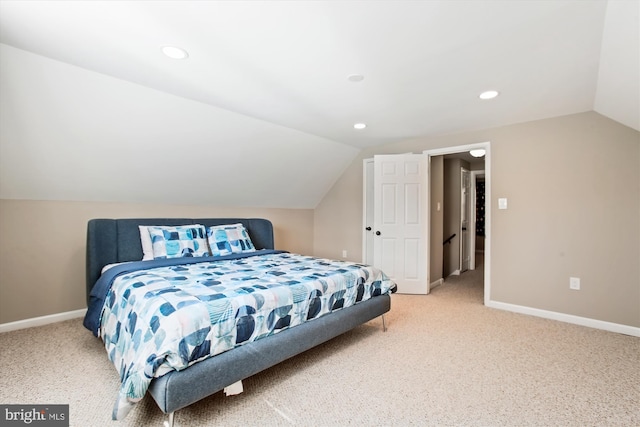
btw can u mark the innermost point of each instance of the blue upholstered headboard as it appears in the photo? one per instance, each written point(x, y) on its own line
point(118, 240)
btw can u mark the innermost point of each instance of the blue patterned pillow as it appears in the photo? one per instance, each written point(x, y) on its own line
point(179, 241)
point(229, 239)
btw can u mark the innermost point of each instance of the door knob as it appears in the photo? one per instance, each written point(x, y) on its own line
point(378, 233)
point(368, 228)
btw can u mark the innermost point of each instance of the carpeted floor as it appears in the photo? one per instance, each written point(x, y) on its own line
point(446, 360)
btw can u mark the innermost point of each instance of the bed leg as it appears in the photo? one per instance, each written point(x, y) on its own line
point(170, 422)
point(384, 324)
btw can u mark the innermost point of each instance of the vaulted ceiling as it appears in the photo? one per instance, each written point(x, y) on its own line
point(280, 84)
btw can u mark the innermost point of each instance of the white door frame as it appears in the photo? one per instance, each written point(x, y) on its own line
point(487, 214)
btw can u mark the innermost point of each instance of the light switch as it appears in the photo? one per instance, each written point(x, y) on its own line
point(502, 203)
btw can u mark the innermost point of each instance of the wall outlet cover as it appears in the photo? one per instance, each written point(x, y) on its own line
point(574, 283)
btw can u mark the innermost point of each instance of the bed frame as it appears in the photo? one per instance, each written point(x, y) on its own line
point(118, 240)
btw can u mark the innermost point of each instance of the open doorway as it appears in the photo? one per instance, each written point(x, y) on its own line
point(477, 217)
point(452, 234)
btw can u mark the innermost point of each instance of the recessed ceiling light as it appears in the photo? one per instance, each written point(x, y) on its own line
point(355, 78)
point(478, 153)
point(490, 94)
point(359, 126)
point(175, 52)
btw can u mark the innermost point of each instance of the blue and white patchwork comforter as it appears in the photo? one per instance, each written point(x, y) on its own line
point(154, 320)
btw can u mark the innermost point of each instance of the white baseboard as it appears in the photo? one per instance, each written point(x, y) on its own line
point(436, 283)
point(568, 318)
point(42, 320)
point(562, 317)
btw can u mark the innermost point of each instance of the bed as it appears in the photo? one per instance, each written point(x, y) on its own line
point(183, 318)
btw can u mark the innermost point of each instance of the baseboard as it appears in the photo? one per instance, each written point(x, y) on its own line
point(42, 320)
point(436, 283)
point(567, 318)
point(562, 317)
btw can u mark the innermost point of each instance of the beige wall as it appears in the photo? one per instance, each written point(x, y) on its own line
point(436, 186)
point(42, 247)
point(573, 186)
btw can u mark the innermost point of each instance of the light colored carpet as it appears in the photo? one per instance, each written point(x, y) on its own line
point(446, 360)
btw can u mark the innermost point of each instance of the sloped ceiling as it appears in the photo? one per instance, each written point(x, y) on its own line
point(99, 113)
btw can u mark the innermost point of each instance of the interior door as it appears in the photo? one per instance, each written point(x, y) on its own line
point(367, 220)
point(465, 219)
point(400, 220)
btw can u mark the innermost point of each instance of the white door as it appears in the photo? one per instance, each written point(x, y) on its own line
point(367, 219)
point(465, 215)
point(400, 220)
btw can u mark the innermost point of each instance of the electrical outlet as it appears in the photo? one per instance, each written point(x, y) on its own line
point(344, 253)
point(574, 283)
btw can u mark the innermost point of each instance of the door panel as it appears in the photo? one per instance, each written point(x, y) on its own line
point(411, 204)
point(387, 256)
point(412, 259)
point(389, 204)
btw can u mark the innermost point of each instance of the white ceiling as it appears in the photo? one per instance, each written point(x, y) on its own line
point(424, 62)
point(286, 63)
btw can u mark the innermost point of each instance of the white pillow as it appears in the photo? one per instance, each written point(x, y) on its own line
point(147, 246)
